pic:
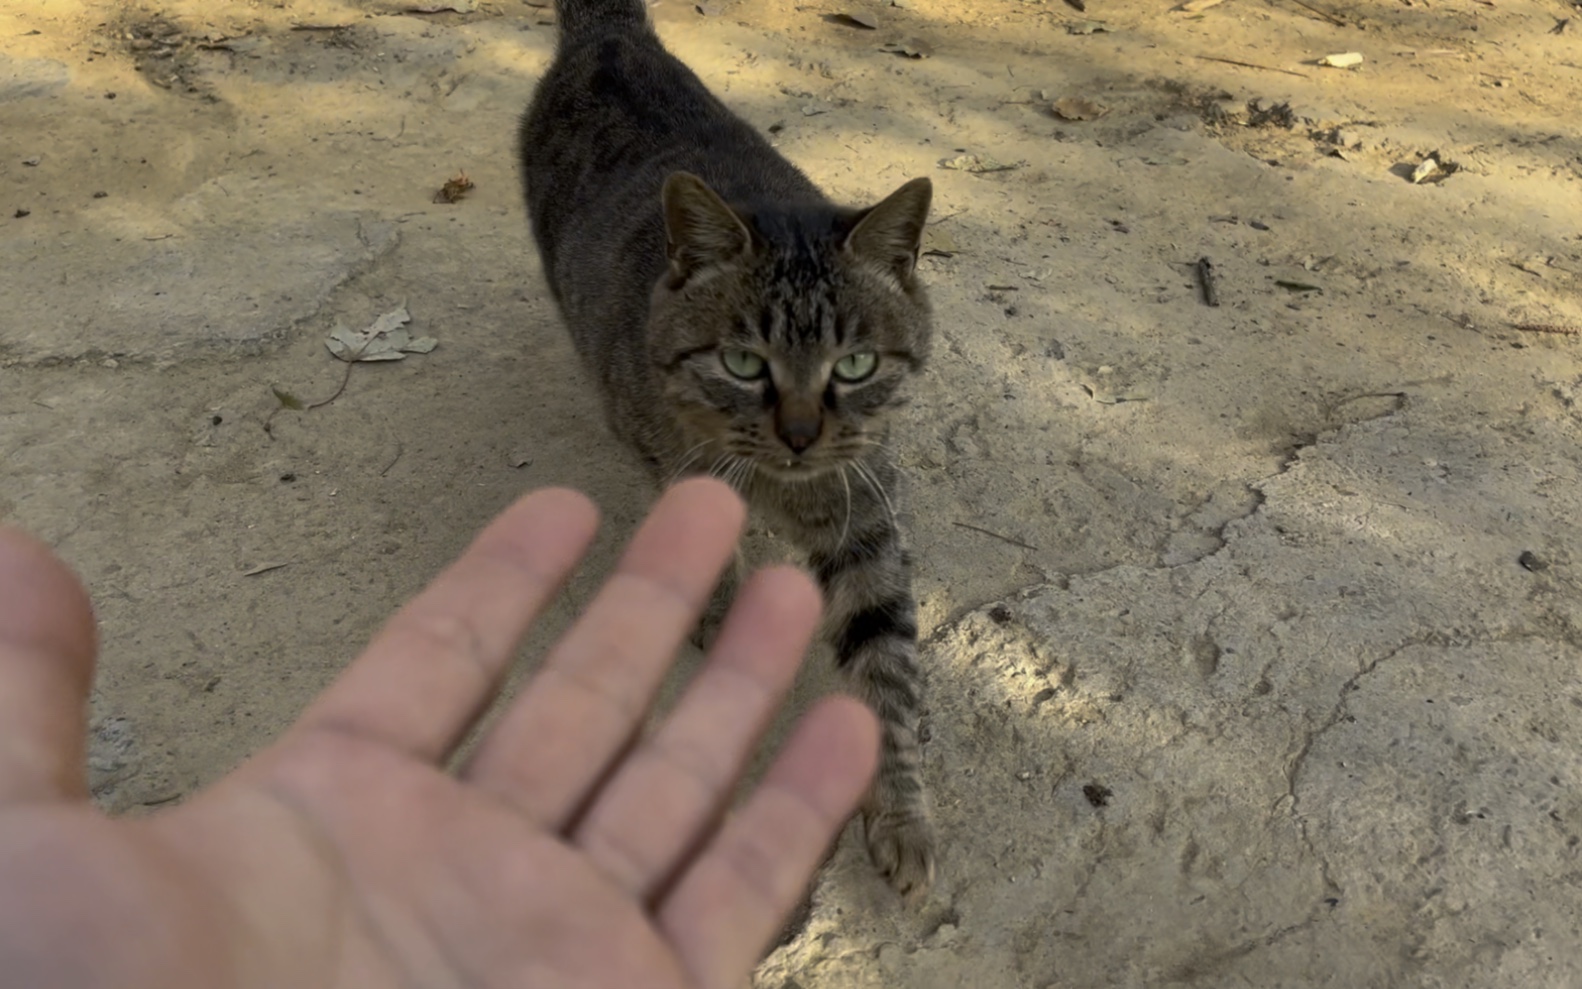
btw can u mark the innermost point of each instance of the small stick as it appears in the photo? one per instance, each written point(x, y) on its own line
point(399, 450)
point(1326, 15)
point(345, 378)
point(1250, 65)
point(996, 535)
point(1205, 278)
point(1547, 328)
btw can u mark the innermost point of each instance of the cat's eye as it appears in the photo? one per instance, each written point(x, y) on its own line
point(743, 364)
point(856, 367)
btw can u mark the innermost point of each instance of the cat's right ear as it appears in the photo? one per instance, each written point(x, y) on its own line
point(700, 229)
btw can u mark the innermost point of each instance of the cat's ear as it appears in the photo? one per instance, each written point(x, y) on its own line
point(700, 229)
point(891, 233)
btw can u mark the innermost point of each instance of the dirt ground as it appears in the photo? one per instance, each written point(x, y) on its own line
point(1253, 630)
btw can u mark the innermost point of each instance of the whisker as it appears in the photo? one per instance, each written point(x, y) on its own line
point(735, 474)
point(845, 526)
point(877, 488)
point(686, 460)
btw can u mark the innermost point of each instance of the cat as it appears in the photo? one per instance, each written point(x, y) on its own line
point(741, 324)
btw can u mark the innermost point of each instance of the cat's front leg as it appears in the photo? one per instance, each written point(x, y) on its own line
point(872, 621)
point(708, 627)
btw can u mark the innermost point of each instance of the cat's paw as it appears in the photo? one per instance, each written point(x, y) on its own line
point(901, 845)
point(708, 626)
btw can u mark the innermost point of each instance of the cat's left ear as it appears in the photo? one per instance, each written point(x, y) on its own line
point(891, 233)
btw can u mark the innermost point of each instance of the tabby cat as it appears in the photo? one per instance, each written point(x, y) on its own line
point(743, 325)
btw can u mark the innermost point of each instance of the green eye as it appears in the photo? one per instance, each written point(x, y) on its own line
point(856, 367)
point(743, 364)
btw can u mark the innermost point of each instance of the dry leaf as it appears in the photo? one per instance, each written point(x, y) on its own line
point(264, 568)
point(386, 339)
point(1193, 6)
point(858, 18)
point(911, 48)
point(1344, 60)
point(1433, 169)
point(1074, 109)
point(978, 164)
point(454, 189)
point(939, 242)
point(1533, 264)
point(456, 6)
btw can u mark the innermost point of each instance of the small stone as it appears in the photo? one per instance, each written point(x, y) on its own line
point(1532, 562)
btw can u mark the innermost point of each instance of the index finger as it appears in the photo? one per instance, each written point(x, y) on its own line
point(47, 643)
point(554, 745)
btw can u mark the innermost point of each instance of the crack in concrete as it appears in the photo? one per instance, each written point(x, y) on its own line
point(1298, 761)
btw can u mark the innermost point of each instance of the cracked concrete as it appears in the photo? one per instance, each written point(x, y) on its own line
point(1311, 740)
point(1251, 630)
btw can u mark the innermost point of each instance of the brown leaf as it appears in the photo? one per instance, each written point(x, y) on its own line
point(858, 18)
point(910, 48)
point(454, 189)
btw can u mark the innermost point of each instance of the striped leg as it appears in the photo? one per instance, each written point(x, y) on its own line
point(872, 621)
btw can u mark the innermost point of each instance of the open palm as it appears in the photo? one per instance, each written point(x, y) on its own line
point(567, 850)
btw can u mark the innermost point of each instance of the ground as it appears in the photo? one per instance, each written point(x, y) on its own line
point(1252, 630)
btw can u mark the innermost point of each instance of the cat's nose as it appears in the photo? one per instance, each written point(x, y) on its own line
point(799, 432)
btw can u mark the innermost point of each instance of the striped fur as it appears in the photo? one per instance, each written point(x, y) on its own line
point(717, 295)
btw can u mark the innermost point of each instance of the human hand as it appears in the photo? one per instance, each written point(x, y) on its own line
point(566, 851)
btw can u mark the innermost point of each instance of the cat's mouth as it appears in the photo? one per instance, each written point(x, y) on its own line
point(783, 468)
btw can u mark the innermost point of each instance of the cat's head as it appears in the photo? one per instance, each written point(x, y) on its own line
point(785, 335)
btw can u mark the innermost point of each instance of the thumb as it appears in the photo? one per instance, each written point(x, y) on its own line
point(47, 644)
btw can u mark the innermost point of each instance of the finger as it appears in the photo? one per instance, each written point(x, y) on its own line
point(431, 669)
point(581, 710)
point(664, 798)
point(47, 642)
point(727, 906)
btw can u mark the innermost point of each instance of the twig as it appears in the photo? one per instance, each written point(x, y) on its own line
point(1547, 328)
point(265, 568)
point(1205, 280)
point(351, 362)
point(996, 535)
point(319, 27)
point(399, 450)
point(344, 379)
point(1250, 65)
point(1326, 15)
point(1561, 23)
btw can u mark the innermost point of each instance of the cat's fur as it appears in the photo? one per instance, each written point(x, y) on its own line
point(628, 164)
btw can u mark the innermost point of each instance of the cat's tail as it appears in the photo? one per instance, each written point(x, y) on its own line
point(581, 19)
